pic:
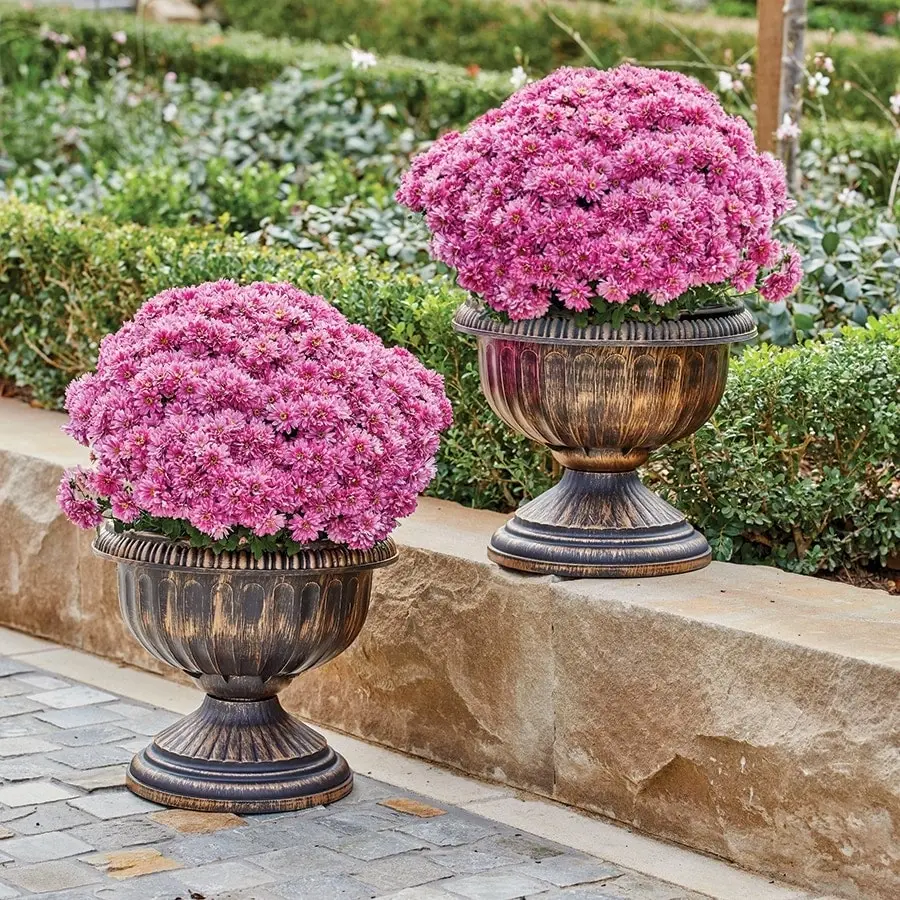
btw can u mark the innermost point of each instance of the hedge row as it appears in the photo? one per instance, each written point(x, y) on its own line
point(434, 95)
point(488, 33)
point(796, 468)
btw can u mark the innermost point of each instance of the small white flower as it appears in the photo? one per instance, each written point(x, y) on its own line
point(170, 78)
point(119, 37)
point(895, 104)
point(170, 110)
point(132, 100)
point(123, 62)
point(518, 78)
point(788, 130)
point(818, 84)
point(737, 85)
point(362, 59)
point(745, 70)
point(726, 82)
point(848, 197)
point(828, 64)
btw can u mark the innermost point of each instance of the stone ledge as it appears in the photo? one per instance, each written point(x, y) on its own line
point(738, 710)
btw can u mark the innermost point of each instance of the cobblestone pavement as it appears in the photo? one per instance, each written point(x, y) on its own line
point(69, 829)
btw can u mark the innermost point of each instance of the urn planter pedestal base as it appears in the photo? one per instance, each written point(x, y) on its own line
point(556, 532)
point(240, 757)
point(242, 628)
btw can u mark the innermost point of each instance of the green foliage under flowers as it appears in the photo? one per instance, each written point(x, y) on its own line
point(798, 467)
point(493, 33)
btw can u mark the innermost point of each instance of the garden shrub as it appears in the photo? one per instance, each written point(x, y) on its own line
point(796, 469)
point(65, 282)
point(488, 33)
point(798, 466)
point(432, 94)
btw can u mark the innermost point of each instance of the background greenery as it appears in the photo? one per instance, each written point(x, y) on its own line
point(488, 33)
point(268, 159)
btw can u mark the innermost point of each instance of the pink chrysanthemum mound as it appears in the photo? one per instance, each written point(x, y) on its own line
point(255, 415)
point(625, 185)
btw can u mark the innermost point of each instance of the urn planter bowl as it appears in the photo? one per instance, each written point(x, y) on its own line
point(602, 399)
point(242, 628)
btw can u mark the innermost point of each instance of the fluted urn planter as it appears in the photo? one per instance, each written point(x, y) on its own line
point(242, 628)
point(601, 399)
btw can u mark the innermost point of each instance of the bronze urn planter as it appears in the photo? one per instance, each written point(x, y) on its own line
point(242, 628)
point(601, 399)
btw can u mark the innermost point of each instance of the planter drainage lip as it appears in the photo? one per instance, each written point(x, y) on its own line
point(158, 550)
point(702, 327)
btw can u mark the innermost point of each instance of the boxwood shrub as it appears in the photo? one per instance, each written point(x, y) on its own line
point(489, 33)
point(796, 469)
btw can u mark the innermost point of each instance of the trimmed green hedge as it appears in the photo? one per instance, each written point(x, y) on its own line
point(488, 32)
point(797, 468)
point(432, 94)
point(65, 282)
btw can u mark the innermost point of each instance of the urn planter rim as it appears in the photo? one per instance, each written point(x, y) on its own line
point(156, 549)
point(702, 327)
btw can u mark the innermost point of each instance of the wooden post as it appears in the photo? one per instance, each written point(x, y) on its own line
point(769, 44)
point(793, 80)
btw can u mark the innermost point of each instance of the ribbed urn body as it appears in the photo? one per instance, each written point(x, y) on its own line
point(243, 628)
point(601, 399)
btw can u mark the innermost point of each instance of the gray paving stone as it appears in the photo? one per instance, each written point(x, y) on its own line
point(257, 893)
point(566, 871)
point(224, 876)
point(135, 745)
point(50, 817)
point(405, 870)
point(447, 831)
point(502, 885)
point(43, 682)
point(90, 735)
point(13, 667)
point(319, 887)
point(44, 847)
point(59, 875)
point(26, 768)
point(32, 793)
point(118, 834)
point(160, 886)
point(303, 860)
point(68, 697)
point(15, 706)
point(146, 720)
point(198, 849)
point(22, 746)
point(12, 687)
point(632, 886)
point(378, 845)
point(113, 804)
point(367, 789)
point(7, 892)
point(529, 846)
point(423, 892)
point(95, 779)
point(23, 725)
point(480, 857)
point(94, 757)
point(79, 716)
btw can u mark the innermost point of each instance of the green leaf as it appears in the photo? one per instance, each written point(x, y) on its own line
point(830, 242)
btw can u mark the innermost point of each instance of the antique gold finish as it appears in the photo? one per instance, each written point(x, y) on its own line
point(242, 628)
point(602, 399)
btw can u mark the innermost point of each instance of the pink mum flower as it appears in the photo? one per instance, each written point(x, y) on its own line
point(258, 407)
point(524, 203)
